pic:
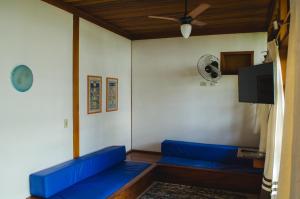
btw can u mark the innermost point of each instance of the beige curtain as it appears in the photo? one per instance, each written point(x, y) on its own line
point(289, 178)
point(274, 115)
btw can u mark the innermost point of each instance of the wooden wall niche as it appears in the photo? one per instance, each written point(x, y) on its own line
point(232, 61)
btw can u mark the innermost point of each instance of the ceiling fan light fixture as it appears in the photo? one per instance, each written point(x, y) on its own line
point(186, 30)
point(188, 18)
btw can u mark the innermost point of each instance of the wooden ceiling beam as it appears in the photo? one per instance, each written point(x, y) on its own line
point(82, 14)
point(90, 2)
point(199, 32)
point(251, 23)
point(167, 6)
point(140, 17)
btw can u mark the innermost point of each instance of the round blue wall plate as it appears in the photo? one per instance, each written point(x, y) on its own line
point(22, 78)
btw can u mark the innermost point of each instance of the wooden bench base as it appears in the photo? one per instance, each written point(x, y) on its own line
point(239, 182)
point(234, 181)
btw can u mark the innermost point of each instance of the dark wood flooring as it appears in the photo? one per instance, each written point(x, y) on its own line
point(143, 156)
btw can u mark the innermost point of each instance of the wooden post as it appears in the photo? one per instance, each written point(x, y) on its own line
point(76, 151)
point(283, 36)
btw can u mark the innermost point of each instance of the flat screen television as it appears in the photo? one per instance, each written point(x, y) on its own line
point(256, 84)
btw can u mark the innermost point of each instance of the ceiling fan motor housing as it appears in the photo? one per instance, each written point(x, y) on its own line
point(186, 20)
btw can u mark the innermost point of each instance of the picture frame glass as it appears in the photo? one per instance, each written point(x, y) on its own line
point(94, 94)
point(111, 94)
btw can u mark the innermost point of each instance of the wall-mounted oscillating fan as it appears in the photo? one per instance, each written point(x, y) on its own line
point(209, 68)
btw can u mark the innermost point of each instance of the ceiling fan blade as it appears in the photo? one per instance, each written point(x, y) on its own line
point(198, 23)
point(200, 9)
point(164, 18)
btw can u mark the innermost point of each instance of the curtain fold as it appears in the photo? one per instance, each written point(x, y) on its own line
point(262, 111)
point(289, 178)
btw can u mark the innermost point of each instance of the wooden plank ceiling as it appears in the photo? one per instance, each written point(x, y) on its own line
point(130, 17)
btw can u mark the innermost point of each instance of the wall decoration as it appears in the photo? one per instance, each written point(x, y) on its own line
point(111, 94)
point(22, 78)
point(94, 104)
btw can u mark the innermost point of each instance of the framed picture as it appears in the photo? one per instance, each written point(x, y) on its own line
point(94, 94)
point(111, 94)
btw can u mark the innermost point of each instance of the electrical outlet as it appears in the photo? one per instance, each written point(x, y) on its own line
point(66, 123)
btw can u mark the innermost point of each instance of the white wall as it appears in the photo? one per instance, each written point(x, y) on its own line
point(105, 54)
point(32, 133)
point(169, 103)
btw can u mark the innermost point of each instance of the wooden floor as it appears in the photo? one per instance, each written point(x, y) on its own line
point(143, 156)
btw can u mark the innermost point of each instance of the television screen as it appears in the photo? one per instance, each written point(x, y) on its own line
point(256, 84)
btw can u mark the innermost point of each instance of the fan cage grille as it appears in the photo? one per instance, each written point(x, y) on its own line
point(206, 60)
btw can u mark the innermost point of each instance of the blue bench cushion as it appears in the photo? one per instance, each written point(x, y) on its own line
point(199, 151)
point(103, 184)
point(50, 181)
point(202, 164)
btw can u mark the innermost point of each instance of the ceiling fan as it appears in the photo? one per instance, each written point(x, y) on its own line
point(188, 19)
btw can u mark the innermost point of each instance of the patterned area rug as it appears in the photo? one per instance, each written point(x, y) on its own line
point(160, 190)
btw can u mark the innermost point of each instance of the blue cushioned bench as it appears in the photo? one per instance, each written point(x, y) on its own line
point(205, 156)
point(94, 176)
